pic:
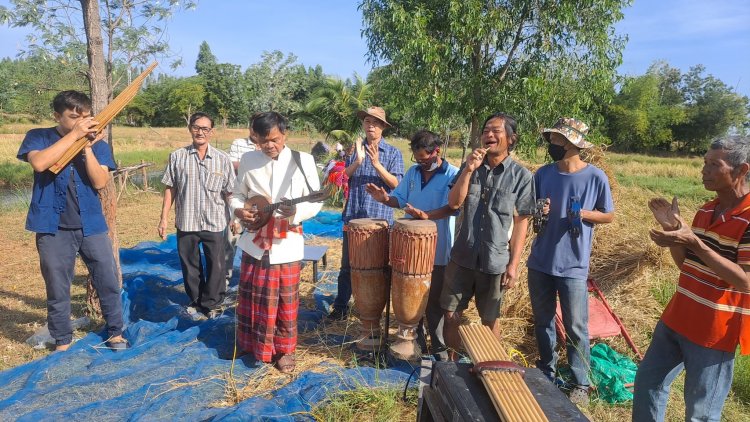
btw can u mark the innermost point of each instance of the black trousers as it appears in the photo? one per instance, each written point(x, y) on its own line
point(57, 258)
point(206, 289)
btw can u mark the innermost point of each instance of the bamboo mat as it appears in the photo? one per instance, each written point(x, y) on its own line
point(511, 397)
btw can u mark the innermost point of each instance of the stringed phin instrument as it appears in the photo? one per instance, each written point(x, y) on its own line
point(266, 208)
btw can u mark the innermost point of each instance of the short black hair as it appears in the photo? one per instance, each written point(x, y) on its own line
point(71, 100)
point(426, 140)
point(265, 122)
point(199, 115)
point(252, 119)
point(511, 127)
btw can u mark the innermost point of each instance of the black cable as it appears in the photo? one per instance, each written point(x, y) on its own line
point(406, 387)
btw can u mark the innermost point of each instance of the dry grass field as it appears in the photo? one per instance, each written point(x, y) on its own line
point(636, 276)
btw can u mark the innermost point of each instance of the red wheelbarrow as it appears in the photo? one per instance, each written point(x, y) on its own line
point(603, 322)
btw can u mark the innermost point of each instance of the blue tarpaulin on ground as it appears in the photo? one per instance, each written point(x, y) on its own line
point(176, 368)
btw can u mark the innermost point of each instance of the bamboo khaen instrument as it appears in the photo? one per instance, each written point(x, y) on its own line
point(511, 397)
point(104, 118)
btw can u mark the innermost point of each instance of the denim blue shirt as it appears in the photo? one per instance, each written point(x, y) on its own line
point(360, 204)
point(48, 198)
point(433, 195)
point(494, 195)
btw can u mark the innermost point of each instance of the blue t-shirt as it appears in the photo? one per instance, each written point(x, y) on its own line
point(555, 251)
point(430, 196)
point(49, 197)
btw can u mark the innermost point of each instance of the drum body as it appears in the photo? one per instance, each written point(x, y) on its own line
point(368, 258)
point(412, 256)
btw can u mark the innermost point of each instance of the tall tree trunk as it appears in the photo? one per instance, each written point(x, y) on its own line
point(100, 94)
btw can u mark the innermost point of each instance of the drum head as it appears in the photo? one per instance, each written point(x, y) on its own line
point(368, 223)
point(415, 226)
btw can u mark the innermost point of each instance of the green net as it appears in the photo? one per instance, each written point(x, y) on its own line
point(611, 372)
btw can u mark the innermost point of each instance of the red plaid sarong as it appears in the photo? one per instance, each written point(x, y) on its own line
point(275, 228)
point(267, 307)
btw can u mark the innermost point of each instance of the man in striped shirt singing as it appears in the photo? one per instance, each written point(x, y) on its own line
point(709, 314)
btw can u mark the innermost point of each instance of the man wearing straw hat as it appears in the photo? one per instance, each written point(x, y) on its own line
point(67, 216)
point(495, 193)
point(708, 316)
point(374, 161)
point(199, 180)
point(577, 196)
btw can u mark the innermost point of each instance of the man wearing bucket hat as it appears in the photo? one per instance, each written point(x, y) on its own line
point(374, 161)
point(577, 196)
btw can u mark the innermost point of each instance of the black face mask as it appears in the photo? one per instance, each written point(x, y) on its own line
point(557, 152)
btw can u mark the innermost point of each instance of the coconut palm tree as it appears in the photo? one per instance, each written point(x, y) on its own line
point(333, 105)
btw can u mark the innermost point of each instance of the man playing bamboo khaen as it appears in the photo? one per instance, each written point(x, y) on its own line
point(495, 191)
point(577, 196)
point(238, 148)
point(67, 216)
point(268, 298)
point(709, 314)
point(374, 161)
point(423, 194)
point(199, 180)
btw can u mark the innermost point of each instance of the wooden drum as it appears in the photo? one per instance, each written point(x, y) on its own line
point(368, 259)
point(412, 254)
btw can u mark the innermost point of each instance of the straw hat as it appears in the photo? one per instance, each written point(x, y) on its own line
point(376, 112)
point(573, 130)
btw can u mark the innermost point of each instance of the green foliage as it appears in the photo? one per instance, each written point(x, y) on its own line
point(666, 110)
point(367, 404)
point(273, 84)
point(15, 175)
point(741, 381)
point(224, 93)
point(464, 59)
point(332, 107)
point(132, 31)
point(187, 96)
point(640, 118)
point(31, 83)
point(713, 108)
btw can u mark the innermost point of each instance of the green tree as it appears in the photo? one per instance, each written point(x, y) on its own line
point(641, 117)
point(272, 84)
point(713, 108)
point(332, 107)
point(467, 58)
point(224, 87)
point(205, 59)
point(187, 96)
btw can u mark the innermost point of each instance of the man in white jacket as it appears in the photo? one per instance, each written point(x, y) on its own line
point(269, 275)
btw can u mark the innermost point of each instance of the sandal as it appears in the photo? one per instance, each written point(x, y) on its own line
point(285, 364)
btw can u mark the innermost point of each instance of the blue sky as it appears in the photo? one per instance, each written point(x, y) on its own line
point(682, 32)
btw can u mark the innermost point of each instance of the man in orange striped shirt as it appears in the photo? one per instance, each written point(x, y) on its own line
point(709, 314)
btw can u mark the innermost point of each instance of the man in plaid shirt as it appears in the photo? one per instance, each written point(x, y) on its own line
point(376, 162)
point(199, 180)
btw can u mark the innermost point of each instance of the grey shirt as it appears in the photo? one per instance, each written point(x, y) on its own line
point(201, 187)
point(487, 214)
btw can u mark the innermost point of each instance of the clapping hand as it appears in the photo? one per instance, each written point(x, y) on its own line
point(666, 214)
point(360, 150)
point(373, 153)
